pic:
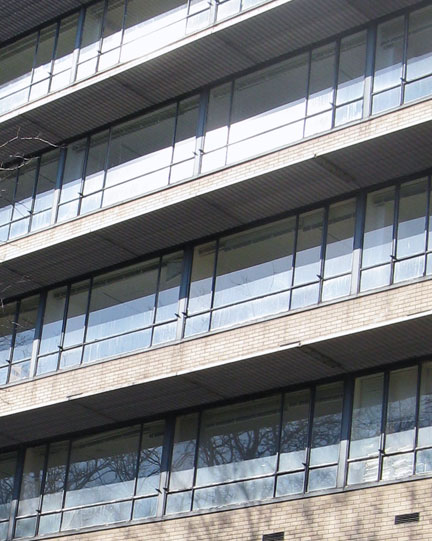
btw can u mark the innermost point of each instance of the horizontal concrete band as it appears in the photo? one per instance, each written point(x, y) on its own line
point(351, 335)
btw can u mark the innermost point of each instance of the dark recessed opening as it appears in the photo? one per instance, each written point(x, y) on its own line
point(408, 517)
point(278, 536)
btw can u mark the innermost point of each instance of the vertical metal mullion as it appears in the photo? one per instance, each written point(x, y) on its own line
point(370, 67)
point(18, 477)
point(360, 220)
point(345, 431)
point(198, 437)
point(294, 257)
point(404, 59)
point(66, 481)
point(87, 316)
point(204, 103)
point(174, 139)
point(77, 45)
point(323, 249)
point(184, 291)
point(137, 468)
point(213, 285)
point(281, 416)
point(165, 463)
point(37, 333)
point(59, 183)
point(337, 55)
point(386, 390)
point(312, 395)
point(393, 254)
point(417, 413)
point(83, 174)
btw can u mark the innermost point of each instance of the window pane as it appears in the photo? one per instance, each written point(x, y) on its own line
point(293, 483)
point(55, 476)
point(7, 475)
point(102, 467)
point(396, 467)
point(340, 238)
point(93, 516)
point(169, 286)
point(238, 441)
point(150, 458)
point(389, 52)
point(141, 146)
point(254, 263)
point(122, 301)
point(321, 80)
point(7, 320)
point(322, 478)
point(259, 489)
point(183, 454)
point(352, 61)
point(295, 429)
point(25, 328)
point(378, 236)
point(425, 409)
point(401, 408)
point(362, 472)
point(53, 320)
point(308, 254)
point(200, 291)
point(412, 218)
point(269, 99)
point(218, 117)
point(366, 416)
point(326, 426)
point(419, 43)
point(73, 171)
point(32, 480)
point(77, 309)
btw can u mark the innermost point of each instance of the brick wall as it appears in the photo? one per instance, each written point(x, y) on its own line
point(238, 343)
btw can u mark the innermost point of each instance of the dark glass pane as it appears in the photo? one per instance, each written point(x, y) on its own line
point(7, 475)
point(103, 467)
point(150, 458)
point(32, 480)
point(25, 328)
point(238, 441)
point(53, 320)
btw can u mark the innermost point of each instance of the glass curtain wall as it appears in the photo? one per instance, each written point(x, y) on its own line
point(261, 271)
point(281, 445)
point(303, 96)
point(102, 35)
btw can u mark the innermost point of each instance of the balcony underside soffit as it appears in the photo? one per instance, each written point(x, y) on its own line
point(314, 179)
point(286, 365)
point(266, 32)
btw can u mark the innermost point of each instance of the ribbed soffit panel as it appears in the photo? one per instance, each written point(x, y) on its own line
point(287, 364)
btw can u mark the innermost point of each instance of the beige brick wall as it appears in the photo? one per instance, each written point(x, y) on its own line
point(238, 343)
point(363, 515)
point(303, 151)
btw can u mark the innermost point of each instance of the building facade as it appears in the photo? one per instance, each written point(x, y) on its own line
point(216, 270)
